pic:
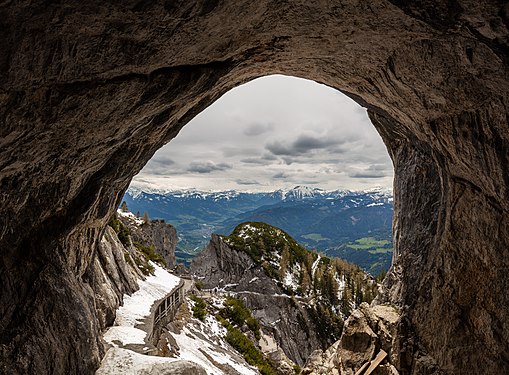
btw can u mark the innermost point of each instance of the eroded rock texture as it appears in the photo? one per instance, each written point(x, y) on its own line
point(157, 234)
point(90, 90)
point(290, 322)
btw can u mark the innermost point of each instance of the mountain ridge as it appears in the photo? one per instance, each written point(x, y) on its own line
point(329, 221)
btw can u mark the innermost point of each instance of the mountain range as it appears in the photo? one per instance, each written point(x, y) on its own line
point(353, 225)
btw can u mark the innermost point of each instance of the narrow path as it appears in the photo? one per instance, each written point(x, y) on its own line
point(128, 336)
point(200, 344)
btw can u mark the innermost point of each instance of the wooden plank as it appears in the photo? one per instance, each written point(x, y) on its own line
point(374, 363)
point(361, 370)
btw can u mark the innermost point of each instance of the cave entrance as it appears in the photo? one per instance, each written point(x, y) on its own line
point(88, 101)
point(294, 153)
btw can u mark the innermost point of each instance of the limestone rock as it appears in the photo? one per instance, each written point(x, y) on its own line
point(322, 363)
point(89, 92)
point(358, 343)
point(156, 233)
point(365, 333)
point(285, 319)
point(110, 276)
point(174, 368)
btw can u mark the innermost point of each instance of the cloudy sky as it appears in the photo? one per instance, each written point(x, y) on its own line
point(274, 132)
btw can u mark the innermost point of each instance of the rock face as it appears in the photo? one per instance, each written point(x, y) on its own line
point(111, 276)
point(89, 92)
point(367, 332)
point(282, 317)
point(156, 233)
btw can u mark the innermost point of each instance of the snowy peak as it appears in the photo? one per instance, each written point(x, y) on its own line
point(303, 192)
point(296, 193)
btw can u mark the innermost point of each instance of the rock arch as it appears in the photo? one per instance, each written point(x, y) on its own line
point(88, 92)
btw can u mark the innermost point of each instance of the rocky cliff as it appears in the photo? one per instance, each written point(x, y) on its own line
point(111, 276)
point(369, 333)
point(89, 92)
point(162, 237)
point(287, 287)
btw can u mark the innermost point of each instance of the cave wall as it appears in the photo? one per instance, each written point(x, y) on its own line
point(89, 91)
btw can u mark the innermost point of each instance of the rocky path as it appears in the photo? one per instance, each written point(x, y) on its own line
point(199, 347)
point(128, 337)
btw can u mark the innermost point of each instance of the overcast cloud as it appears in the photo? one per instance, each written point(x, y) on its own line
point(274, 132)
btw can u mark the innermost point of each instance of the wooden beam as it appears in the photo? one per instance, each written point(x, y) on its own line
point(374, 363)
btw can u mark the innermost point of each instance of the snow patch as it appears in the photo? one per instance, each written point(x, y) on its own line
point(314, 265)
point(136, 307)
point(129, 215)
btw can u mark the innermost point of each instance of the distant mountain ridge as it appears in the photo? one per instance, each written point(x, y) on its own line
point(329, 221)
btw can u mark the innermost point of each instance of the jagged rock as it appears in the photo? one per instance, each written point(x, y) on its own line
point(358, 342)
point(156, 233)
point(89, 93)
point(167, 346)
point(367, 331)
point(174, 368)
point(110, 276)
point(219, 266)
point(286, 319)
point(322, 363)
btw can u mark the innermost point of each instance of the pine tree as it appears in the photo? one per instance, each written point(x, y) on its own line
point(285, 260)
point(145, 217)
point(123, 207)
point(305, 282)
point(309, 262)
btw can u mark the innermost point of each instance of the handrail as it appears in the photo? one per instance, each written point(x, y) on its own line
point(170, 304)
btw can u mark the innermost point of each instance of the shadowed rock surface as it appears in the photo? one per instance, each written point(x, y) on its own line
point(88, 93)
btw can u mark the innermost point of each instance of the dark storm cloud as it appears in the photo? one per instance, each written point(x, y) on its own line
point(281, 175)
point(373, 171)
point(247, 182)
point(304, 144)
point(208, 167)
point(257, 161)
point(258, 129)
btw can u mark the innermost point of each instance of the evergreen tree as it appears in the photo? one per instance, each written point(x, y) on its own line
point(305, 282)
point(145, 217)
point(123, 207)
point(309, 262)
point(285, 260)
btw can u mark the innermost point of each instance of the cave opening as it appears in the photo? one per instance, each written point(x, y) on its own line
point(276, 135)
point(89, 100)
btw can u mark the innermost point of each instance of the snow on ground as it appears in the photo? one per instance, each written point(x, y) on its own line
point(137, 307)
point(195, 338)
point(130, 216)
point(291, 279)
point(315, 264)
point(192, 347)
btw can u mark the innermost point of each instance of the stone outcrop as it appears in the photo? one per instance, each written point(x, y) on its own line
point(367, 332)
point(285, 319)
point(111, 276)
point(175, 368)
point(155, 233)
point(88, 93)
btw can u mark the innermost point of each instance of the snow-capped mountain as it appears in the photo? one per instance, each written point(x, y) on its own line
point(329, 221)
